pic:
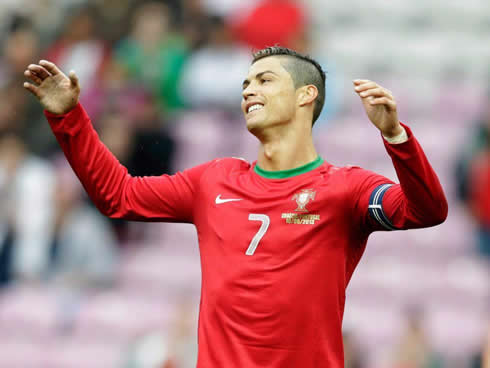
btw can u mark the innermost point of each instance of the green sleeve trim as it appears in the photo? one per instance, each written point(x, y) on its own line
point(282, 174)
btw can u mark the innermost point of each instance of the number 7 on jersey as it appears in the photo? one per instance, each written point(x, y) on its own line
point(258, 236)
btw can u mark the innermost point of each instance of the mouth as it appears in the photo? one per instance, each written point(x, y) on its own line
point(254, 107)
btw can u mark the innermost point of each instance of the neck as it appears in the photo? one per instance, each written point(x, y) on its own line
point(285, 148)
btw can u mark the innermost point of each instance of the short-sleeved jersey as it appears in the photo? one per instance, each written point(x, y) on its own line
point(277, 248)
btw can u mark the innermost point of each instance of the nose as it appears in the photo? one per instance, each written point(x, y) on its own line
point(248, 92)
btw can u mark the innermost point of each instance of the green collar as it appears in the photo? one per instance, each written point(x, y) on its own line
point(289, 173)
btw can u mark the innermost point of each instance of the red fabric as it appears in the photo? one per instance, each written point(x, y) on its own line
point(271, 22)
point(283, 305)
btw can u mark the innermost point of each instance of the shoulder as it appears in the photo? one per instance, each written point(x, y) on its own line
point(348, 171)
point(221, 167)
point(231, 164)
point(351, 176)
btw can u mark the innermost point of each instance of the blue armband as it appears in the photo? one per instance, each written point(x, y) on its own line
point(376, 206)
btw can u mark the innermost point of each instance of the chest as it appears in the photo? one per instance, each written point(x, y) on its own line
point(240, 218)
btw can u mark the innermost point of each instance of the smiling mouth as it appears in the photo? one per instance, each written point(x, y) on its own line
point(254, 108)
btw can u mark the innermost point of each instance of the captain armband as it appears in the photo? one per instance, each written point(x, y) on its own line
point(376, 207)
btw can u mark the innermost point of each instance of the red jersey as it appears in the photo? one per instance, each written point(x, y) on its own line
point(277, 248)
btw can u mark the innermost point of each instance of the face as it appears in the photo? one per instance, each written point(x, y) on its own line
point(269, 96)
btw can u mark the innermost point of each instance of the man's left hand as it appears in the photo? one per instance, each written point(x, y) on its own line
point(380, 107)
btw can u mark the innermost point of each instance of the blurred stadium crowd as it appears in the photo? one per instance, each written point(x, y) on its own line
point(161, 81)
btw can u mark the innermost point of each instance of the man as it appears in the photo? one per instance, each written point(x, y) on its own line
point(279, 238)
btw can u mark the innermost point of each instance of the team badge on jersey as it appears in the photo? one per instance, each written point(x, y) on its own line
point(302, 198)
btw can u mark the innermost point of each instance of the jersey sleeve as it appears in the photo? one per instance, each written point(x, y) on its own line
point(417, 202)
point(117, 194)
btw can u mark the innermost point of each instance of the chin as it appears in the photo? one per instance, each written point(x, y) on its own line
point(254, 125)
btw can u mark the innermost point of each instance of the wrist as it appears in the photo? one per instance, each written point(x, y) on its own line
point(393, 132)
point(61, 114)
point(397, 139)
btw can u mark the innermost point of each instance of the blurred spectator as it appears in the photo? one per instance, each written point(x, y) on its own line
point(83, 251)
point(20, 48)
point(213, 75)
point(113, 92)
point(79, 46)
point(27, 213)
point(352, 354)
point(269, 23)
point(114, 15)
point(194, 23)
point(153, 147)
point(414, 350)
point(183, 342)
point(18, 111)
point(473, 179)
point(13, 114)
point(482, 358)
point(149, 351)
point(153, 54)
point(479, 197)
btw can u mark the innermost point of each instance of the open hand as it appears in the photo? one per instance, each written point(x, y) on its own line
point(56, 92)
point(380, 106)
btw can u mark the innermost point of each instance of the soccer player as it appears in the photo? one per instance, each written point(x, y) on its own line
point(280, 237)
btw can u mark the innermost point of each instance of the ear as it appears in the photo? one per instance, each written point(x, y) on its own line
point(307, 95)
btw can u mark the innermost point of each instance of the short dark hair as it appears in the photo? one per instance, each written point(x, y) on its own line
point(303, 70)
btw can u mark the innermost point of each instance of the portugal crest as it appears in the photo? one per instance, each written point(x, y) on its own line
point(302, 198)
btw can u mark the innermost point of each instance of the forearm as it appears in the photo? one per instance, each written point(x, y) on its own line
point(100, 173)
point(419, 200)
point(116, 193)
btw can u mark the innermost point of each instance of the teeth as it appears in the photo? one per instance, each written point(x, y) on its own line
point(255, 107)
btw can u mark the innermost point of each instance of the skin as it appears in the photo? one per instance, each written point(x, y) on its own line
point(283, 125)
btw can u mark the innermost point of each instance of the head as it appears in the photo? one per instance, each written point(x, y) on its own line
point(218, 32)
point(286, 85)
point(21, 47)
point(151, 23)
point(81, 25)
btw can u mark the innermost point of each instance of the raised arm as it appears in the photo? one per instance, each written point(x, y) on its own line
point(419, 200)
point(114, 192)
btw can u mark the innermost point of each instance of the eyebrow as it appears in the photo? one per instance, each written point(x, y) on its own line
point(246, 82)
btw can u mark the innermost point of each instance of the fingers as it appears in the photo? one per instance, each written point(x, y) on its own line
point(73, 78)
point(389, 103)
point(32, 88)
point(39, 71)
point(364, 84)
point(33, 77)
point(366, 88)
point(376, 92)
point(360, 81)
point(50, 67)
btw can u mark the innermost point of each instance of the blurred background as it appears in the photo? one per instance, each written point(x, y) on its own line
point(161, 81)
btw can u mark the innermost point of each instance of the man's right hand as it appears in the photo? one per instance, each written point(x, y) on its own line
point(56, 92)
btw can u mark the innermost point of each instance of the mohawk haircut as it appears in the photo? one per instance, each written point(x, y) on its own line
point(303, 70)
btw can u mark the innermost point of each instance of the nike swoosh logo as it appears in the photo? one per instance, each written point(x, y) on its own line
point(219, 200)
